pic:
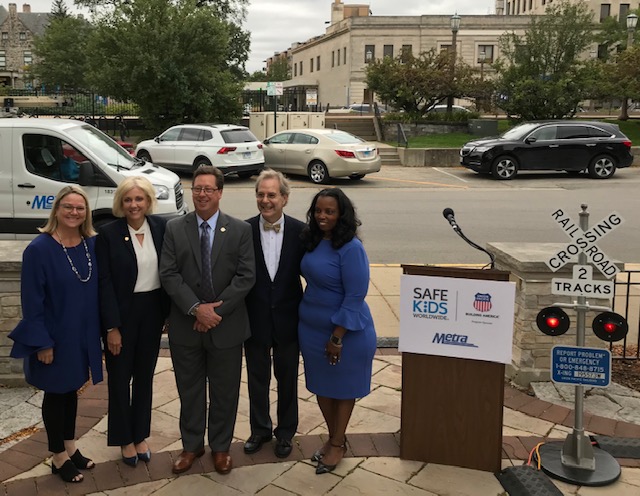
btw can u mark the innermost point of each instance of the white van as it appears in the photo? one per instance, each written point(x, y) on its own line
point(38, 157)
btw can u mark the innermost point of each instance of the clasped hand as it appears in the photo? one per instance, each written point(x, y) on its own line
point(332, 352)
point(206, 316)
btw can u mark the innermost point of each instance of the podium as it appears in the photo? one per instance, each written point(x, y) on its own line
point(452, 407)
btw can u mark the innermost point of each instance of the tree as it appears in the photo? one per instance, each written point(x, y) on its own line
point(61, 53)
point(177, 61)
point(279, 70)
point(59, 9)
point(414, 84)
point(543, 76)
point(257, 76)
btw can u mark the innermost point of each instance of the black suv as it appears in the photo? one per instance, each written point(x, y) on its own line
point(571, 146)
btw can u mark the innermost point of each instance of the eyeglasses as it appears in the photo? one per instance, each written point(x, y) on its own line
point(70, 208)
point(208, 190)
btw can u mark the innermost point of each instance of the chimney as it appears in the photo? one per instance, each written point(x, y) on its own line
point(26, 8)
point(12, 10)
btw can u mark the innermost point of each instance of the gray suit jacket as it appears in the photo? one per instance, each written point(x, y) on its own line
point(233, 268)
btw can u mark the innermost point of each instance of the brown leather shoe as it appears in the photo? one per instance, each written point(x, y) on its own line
point(222, 462)
point(185, 461)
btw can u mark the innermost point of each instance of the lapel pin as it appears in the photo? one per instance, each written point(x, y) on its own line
point(126, 238)
point(223, 229)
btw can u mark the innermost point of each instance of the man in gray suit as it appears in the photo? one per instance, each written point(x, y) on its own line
point(207, 267)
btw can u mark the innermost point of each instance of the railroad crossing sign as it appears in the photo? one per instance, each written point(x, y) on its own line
point(585, 242)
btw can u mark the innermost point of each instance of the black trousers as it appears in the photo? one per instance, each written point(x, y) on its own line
point(285, 370)
point(130, 374)
point(59, 416)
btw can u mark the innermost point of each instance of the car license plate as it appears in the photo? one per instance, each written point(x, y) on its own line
point(246, 155)
point(366, 153)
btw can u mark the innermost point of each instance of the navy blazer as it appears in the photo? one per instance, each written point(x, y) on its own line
point(118, 269)
point(273, 305)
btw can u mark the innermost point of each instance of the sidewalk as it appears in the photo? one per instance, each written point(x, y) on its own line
point(372, 465)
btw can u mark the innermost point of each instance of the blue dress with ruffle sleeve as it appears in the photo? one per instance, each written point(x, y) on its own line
point(60, 312)
point(337, 283)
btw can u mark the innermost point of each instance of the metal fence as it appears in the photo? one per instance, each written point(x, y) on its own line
point(626, 302)
point(292, 100)
point(67, 104)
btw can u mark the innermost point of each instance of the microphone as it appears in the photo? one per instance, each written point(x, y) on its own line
point(449, 215)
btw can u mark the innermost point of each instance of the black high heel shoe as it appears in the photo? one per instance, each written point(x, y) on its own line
point(82, 462)
point(324, 468)
point(132, 461)
point(145, 457)
point(68, 472)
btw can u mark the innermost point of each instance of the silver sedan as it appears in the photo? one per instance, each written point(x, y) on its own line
point(321, 154)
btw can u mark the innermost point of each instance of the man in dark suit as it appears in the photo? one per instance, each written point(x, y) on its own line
point(207, 268)
point(273, 313)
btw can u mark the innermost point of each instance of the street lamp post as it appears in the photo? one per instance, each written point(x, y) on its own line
point(455, 26)
point(482, 56)
point(632, 22)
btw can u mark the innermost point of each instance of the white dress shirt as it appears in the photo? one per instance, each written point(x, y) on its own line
point(271, 242)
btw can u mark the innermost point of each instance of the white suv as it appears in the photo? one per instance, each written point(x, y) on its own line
point(233, 149)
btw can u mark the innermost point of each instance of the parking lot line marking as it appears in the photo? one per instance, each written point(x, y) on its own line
point(378, 178)
point(451, 175)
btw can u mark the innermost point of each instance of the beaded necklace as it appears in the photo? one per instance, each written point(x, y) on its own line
point(73, 267)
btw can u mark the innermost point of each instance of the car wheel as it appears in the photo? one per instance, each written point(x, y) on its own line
point(318, 172)
point(356, 177)
point(144, 155)
point(200, 161)
point(602, 167)
point(504, 168)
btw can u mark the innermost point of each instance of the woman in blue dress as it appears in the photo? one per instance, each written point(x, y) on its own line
point(336, 332)
point(59, 334)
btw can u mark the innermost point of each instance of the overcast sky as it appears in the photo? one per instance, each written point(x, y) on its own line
point(276, 24)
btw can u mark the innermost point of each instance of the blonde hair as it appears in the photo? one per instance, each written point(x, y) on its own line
point(86, 228)
point(285, 188)
point(127, 185)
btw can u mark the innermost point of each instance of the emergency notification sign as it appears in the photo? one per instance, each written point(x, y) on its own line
point(581, 366)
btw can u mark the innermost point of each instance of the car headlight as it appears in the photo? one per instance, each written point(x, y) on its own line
point(482, 149)
point(162, 192)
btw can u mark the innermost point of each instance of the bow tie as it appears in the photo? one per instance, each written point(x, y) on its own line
point(268, 226)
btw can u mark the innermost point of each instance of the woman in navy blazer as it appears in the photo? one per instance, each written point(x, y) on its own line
point(133, 308)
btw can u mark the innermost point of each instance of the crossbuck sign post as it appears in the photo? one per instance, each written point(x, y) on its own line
point(598, 467)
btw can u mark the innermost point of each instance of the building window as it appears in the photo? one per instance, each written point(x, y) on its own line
point(605, 11)
point(3, 59)
point(488, 53)
point(333, 58)
point(445, 47)
point(23, 36)
point(624, 10)
point(301, 67)
point(295, 70)
point(387, 51)
point(530, 4)
point(338, 57)
point(27, 58)
point(369, 53)
point(344, 59)
point(5, 35)
point(603, 51)
point(318, 63)
point(311, 64)
point(405, 52)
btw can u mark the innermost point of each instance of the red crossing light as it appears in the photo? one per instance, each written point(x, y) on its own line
point(553, 321)
point(610, 326)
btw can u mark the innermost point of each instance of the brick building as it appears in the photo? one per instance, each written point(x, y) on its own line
point(17, 30)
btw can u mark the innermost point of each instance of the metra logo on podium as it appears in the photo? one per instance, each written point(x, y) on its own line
point(453, 339)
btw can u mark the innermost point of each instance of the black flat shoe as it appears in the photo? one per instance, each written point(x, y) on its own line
point(68, 472)
point(283, 448)
point(82, 462)
point(254, 443)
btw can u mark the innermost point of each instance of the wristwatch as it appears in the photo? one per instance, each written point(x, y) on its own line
point(335, 340)
point(194, 309)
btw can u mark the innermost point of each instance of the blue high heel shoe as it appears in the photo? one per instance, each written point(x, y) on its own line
point(145, 457)
point(132, 461)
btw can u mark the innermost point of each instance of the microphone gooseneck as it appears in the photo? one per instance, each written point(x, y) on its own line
point(448, 214)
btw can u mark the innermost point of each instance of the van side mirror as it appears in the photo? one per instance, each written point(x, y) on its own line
point(157, 139)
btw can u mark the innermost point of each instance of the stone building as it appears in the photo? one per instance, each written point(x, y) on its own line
point(601, 10)
point(16, 42)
